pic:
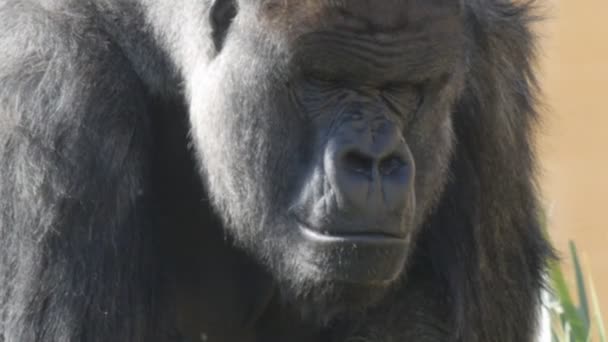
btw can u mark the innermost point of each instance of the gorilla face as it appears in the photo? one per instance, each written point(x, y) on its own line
point(323, 133)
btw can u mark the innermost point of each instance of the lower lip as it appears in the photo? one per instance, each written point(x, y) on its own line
point(372, 238)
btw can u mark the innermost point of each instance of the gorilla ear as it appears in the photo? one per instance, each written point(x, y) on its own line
point(222, 13)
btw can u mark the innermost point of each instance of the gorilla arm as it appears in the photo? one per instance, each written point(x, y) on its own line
point(72, 138)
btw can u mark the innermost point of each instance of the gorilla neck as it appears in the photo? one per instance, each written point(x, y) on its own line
point(209, 281)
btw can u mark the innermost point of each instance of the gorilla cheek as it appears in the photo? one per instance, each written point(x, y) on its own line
point(220, 146)
point(205, 101)
point(246, 145)
point(433, 154)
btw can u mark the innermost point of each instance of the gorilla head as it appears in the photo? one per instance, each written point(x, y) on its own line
point(324, 134)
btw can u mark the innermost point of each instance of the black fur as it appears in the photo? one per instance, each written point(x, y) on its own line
point(114, 228)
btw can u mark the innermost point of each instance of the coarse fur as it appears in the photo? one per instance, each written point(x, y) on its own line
point(148, 166)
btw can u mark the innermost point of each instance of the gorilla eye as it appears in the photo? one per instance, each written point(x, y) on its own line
point(222, 14)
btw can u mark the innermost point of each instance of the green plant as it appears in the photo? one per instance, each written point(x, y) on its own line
point(574, 321)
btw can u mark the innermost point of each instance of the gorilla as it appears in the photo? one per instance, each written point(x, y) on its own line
point(268, 170)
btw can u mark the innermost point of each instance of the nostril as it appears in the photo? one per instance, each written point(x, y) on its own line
point(391, 164)
point(358, 162)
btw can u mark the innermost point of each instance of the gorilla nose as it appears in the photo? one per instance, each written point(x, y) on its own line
point(370, 171)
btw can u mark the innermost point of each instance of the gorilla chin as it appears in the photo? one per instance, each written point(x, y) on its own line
point(342, 274)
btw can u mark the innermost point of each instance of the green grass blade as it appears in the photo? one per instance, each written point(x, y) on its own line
point(570, 316)
point(580, 285)
point(599, 320)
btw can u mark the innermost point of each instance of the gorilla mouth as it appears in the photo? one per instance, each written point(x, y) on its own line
point(335, 230)
point(334, 235)
point(365, 256)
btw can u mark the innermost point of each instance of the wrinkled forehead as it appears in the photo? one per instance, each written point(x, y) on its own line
point(361, 39)
point(368, 15)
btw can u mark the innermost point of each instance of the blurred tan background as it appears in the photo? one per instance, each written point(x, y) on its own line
point(574, 139)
